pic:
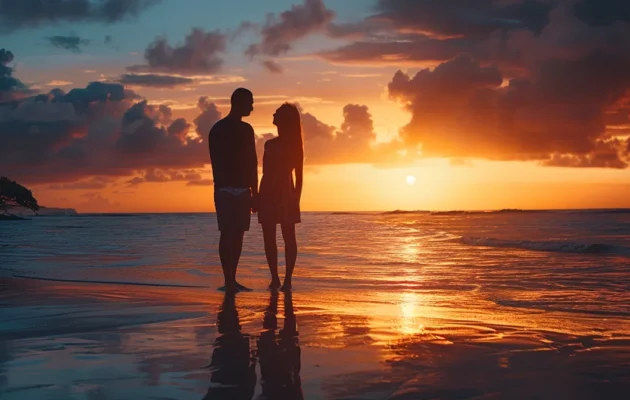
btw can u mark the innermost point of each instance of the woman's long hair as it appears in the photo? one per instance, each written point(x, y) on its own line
point(290, 130)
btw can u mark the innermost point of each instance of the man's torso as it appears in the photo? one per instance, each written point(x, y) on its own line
point(230, 142)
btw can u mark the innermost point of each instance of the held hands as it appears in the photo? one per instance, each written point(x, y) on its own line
point(254, 204)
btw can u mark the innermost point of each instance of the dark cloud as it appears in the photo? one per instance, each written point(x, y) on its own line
point(243, 27)
point(272, 66)
point(144, 138)
point(279, 32)
point(209, 115)
point(95, 91)
point(314, 129)
point(611, 153)
point(420, 49)
point(357, 128)
point(179, 129)
point(72, 43)
point(463, 17)
point(92, 135)
point(154, 80)
point(95, 98)
point(372, 28)
point(618, 117)
point(198, 55)
point(22, 14)
point(426, 31)
point(97, 182)
point(602, 12)
point(5, 56)
point(162, 176)
point(10, 88)
point(323, 144)
point(414, 49)
point(354, 142)
point(461, 109)
point(514, 34)
point(510, 80)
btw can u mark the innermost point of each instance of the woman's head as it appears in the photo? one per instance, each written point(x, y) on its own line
point(287, 119)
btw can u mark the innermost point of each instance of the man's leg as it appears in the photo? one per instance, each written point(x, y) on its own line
point(242, 217)
point(237, 248)
point(226, 255)
point(222, 202)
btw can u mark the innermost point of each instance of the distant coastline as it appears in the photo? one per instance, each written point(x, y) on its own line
point(512, 210)
point(21, 213)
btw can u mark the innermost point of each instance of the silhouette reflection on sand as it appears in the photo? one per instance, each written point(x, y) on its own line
point(233, 363)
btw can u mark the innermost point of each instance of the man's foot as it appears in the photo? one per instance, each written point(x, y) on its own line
point(228, 289)
point(275, 284)
point(242, 288)
point(286, 287)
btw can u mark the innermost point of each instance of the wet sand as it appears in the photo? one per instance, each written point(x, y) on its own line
point(102, 341)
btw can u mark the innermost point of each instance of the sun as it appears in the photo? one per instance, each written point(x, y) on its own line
point(411, 180)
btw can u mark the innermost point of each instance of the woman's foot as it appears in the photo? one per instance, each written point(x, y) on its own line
point(242, 288)
point(286, 286)
point(275, 283)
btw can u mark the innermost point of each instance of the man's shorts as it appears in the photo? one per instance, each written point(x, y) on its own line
point(233, 211)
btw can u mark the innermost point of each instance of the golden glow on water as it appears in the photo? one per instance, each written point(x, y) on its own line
point(410, 314)
point(376, 330)
point(409, 252)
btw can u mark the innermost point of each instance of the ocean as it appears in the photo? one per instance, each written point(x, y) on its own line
point(385, 305)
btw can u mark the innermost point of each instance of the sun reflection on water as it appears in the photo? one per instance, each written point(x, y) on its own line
point(410, 314)
point(409, 251)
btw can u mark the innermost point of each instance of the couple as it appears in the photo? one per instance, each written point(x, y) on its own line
point(236, 194)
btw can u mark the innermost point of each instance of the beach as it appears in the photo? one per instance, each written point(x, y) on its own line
point(498, 305)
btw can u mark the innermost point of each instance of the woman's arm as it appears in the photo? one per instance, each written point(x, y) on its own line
point(299, 178)
point(253, 163)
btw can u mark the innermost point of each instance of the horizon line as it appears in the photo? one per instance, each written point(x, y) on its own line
point(373, 211)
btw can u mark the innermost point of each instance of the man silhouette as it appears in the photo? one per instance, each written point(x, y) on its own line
point(235, 170)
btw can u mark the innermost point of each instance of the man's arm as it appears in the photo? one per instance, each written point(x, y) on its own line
point(215, 156)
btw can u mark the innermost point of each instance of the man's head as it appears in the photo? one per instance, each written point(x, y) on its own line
point(242, 102)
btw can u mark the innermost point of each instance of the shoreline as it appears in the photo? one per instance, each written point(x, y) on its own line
point(382, 305)
point(170, 336)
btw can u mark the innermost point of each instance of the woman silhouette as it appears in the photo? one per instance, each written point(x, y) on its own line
point(279, 195)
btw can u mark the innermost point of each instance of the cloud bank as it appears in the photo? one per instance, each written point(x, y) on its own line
point(24, 14)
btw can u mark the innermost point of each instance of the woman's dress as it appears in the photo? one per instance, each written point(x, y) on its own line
point(278, 201)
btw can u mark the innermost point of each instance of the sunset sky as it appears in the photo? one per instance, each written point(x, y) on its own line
point(106, 104)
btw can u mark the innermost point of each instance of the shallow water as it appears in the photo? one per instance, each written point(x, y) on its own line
point(395, 305)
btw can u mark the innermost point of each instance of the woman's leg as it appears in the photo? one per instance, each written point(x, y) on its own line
point(271, 252)
point(290, 252)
